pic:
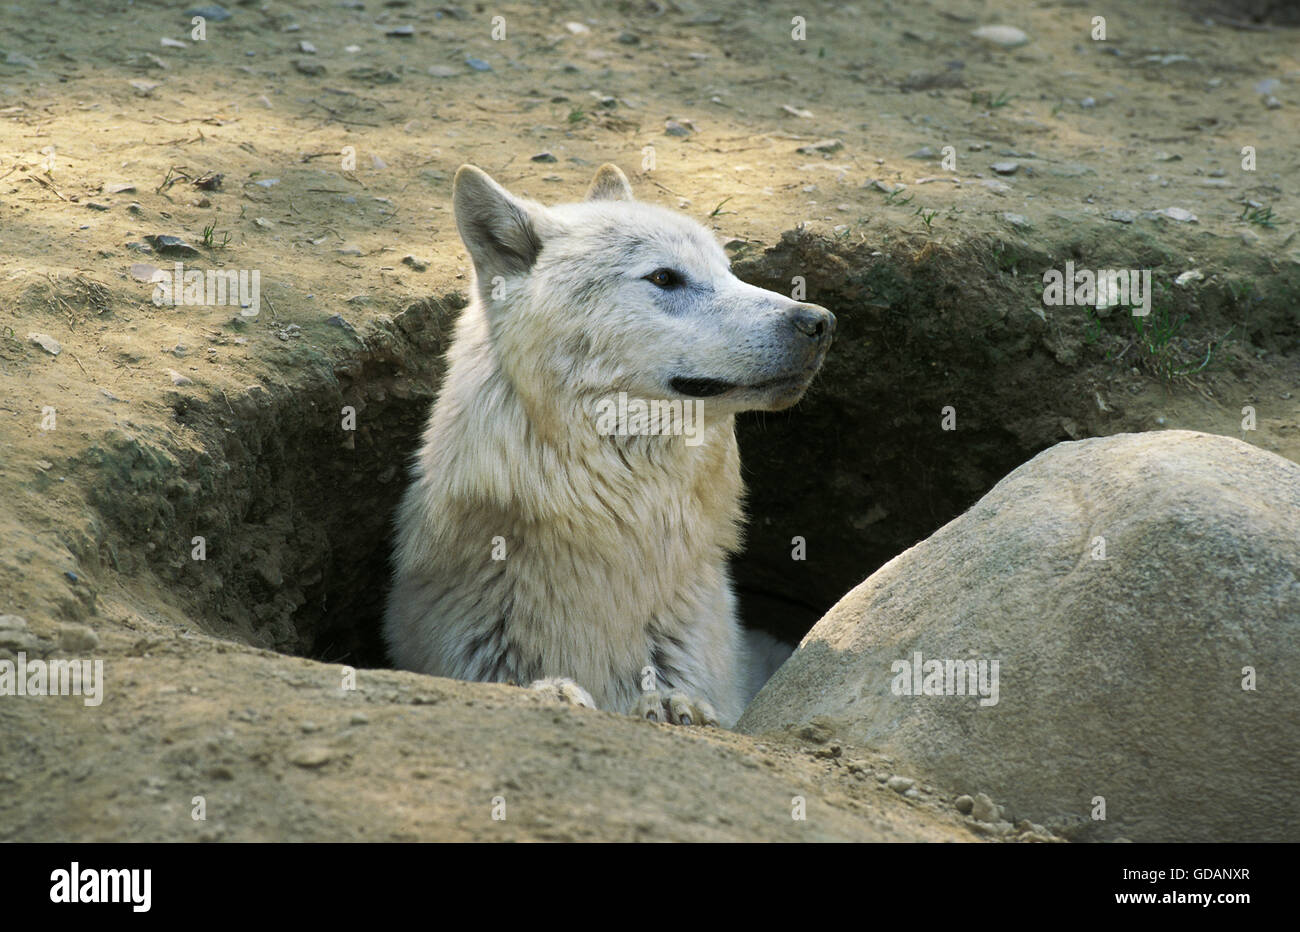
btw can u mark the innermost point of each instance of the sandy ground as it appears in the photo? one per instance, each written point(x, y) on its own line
point(314, 143)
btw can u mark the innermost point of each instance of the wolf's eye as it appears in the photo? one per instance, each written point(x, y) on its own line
point(666, 278)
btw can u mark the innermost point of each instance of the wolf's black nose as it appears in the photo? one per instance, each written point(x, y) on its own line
point(812, 320)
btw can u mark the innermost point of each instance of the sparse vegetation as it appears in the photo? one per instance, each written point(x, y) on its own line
point(1161, 347)
point(892, 198)
point(1260, 216)
point(987, 100)
point(209, 237)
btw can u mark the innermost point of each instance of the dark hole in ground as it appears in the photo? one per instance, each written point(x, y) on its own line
point(860, 470)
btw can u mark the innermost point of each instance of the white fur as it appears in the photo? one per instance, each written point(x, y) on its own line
point(615, 547)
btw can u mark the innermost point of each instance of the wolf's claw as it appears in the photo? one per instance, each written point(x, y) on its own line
point(676, 708)
point(562, 689)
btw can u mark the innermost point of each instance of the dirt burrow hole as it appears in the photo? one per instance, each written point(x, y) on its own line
point(297, 513)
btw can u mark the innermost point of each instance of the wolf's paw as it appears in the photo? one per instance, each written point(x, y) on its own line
point(676, 707)
point(562, 689)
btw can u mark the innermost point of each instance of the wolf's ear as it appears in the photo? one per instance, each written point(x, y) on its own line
point(499, 230)
point(610, 184)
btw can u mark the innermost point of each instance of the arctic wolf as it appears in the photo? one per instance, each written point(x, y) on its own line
point(543, 539)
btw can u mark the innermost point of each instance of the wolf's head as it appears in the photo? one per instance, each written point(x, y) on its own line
point(611, 295)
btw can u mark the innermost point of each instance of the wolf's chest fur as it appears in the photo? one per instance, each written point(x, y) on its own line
point(585, 556)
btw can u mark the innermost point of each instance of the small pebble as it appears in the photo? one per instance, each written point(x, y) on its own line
point(18, 639)
point(1178, 214)
point(821, 146)
point(311, 756)
point(211, 11)
point(1006, 37)
point(167, 245)
point(45, 342)
point(816, 732)
point(900, 784)
point(984, 809)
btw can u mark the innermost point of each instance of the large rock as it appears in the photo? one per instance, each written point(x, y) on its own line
point(1120, 677)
